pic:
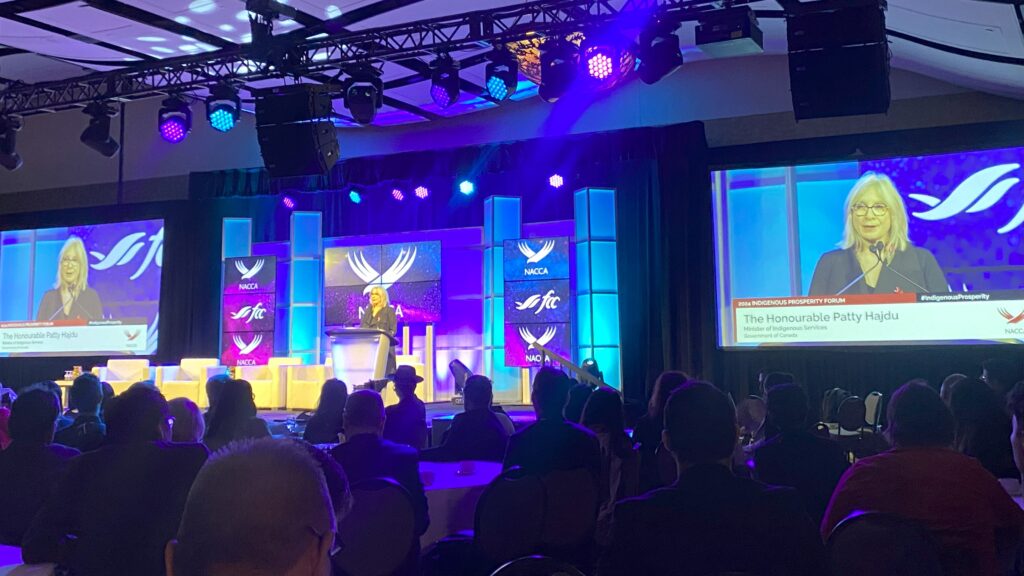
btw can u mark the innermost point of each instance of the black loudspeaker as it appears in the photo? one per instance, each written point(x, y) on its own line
point(838, 59)
point(296, 135)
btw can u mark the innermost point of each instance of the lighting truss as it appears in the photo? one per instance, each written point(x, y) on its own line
point(301, 58)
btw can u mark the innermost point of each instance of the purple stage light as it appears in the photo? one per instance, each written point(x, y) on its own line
point(556, 181)
point(600, 65)
point(288, 202)
point(422, 192)
point(397, 195)
point(174, 120)
point(173, 130)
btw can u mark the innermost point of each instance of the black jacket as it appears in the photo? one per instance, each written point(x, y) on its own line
point(801, 460)
point(29, 472)
point(548, 445)
point(838, 268)
point(473, 435)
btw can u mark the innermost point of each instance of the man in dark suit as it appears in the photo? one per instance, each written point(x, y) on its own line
point(117, 506)
point(366, 455)
point(795, 457)
point(476, 434)
point(87, 431)
point(407, 421)
point(31, 466)
point(551, 443)
point(710, 521)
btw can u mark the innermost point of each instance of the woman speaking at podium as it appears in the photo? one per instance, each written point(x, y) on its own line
point(71, 298)
point(381, 316)
point(875, 256)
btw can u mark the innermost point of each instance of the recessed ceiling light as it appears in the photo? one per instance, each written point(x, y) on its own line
point(182, 19)
point(289, 23)
point(188, 39)
point(244, 15)
point(188, 48)
point(202, 6)
point(162, 50)
point(226, 28)
point(332, 11)
point(151, 39)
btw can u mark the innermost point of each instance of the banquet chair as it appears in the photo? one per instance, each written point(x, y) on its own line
point(269, 383)
point(881, 545)
point(304, 384)
point(873, 411)
point(510, 517)
point(379, 534)
point(537, 566)
point(122, 373)
point(188, 379)
point(851, 416)
point(571, 498)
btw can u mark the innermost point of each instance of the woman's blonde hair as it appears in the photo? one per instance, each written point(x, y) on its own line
point(383, 294)
point(899, 231)
point(75, 248)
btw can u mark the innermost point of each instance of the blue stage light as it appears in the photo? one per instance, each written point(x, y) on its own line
point(466, 187)
point(223, 107)
point(355, 197)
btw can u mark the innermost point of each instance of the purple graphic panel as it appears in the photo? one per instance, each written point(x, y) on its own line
point(255, 274)
point(539, 301)
point(342, 303)
point(248, 312)
point(247, 348)
point(352, 266)
point(416, 301)
point(534, 259)
point(520, 337)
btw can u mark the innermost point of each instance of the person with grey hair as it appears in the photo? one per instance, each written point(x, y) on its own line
point(279, 521)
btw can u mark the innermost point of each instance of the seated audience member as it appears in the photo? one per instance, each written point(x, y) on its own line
point(967, 512)
point(1000, 375)
point(407, 420)
point(710, 521)
point(214, 386)
point(117, 506)
point(234, 416)
point(578, 396)
point(948, 383)
point(620, 464)
point(189, 427)
point(551, 443)
point(108, 395)
point(982, 427)
point(1015, 404)
point(328, 421)
point(281, 524)
point(144, 384)
point(773, 379)
point(63, 420)
point(31, 466)
point(365, 454)
point(87, 431)
point(7, 397)
point(647, 433)
point(795, 456)
point(476, 433)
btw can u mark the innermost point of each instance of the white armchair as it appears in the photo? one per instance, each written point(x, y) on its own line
point(270, 382)
point(122, 373)
point(188, 380)
point(304, 383)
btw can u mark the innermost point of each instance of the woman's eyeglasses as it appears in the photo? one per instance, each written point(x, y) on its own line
point(876, 209)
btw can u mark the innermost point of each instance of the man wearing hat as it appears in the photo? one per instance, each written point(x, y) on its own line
point(406, 421)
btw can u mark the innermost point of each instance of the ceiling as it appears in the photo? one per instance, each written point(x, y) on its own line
point(973, 43)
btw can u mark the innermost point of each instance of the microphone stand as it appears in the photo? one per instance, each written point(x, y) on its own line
point(855, 280)
point(877, 251)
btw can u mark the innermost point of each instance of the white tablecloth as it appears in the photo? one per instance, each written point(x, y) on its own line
point(453, 489)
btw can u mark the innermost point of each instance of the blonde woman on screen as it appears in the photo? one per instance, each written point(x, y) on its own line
point(875, 255)
point(71, 298)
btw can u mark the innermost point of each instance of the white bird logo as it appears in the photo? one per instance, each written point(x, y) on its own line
point(542, 340)
point(250, 313)
point(125, 250)
point(248, 273)
point(247, 348)
point(399, 268)
point(535, 257)
point(978, 192)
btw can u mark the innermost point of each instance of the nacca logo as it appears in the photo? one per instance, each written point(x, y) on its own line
point(246, 272)
point(535, 257)
point(399, 268)
point(245, 348)
point(533, 341)
point(125, 250)
point(546, 302)
point(977, 193)
point(250, 313)
point(1010, 317)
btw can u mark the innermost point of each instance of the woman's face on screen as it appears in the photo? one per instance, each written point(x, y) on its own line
point(69, 268)
point(871, 218)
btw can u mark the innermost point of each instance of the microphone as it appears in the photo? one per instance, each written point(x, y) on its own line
point(877, 250)
point(855, 280)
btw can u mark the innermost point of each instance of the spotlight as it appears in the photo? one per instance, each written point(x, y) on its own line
point(556, 181)
point(174, 120)
point(502, 75)
point(558, 60)
point(354, 196)
point(659, 53)
point(605, 61)
point(97, 134)
point(466, 187)
point(9, 127)
point(444, 81)
point(397, 195)
point(422, 192)
point(288, 202)
point(223, 107)
point(364, 94)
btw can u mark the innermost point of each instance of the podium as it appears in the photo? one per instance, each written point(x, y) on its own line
point(359, 354)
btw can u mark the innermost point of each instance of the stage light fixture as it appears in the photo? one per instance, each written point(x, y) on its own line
point(9, 127)
point(659, 53)
point(364, 94)
point(445, 85)
point(422, 192)
point(355, 196)
point(558, 63)
point(223, 107)
point(288, 202)
point(605, 60)
point(556, 181)
point(502, 74)
point(466, 187)
point(174, 119)
point(97, 134)
point(397, 194)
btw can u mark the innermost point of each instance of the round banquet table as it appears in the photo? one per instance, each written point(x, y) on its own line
point(453, 489)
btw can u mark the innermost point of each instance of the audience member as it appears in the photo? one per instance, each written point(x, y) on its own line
point(773, 379)
point(87, 431)
point(281, 524)
point(551, 443)
point(214, 386)
point(7, 397)
point(108, 395)
point(328, 421)
point(63, 421)
point(1000, 375)
point(144, 384)
point(1015, 403)
point(970, 516)
point(710, 521)
point(407, 420)
point(620, 464)
point(189, 426)
point(647, 433)
point(982, 427)
point(578, 396)
point(796, 457)
point(31, 466)
point(476, 433)
point(117, 506)
point(365, 454)
point(948, 383)
point(233, 417)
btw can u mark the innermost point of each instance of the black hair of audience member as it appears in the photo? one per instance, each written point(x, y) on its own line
point(1015, 401)
point(578, 396)
point(282, 519)
point(108, 395)
point(604, 414)
point(948, 383)
point(138, 415)
point(667, 383)
point(788, 407)
point(999, 374)
point(144, 384)
point(983, 427)
point(214, 386)
point(337, 481)
point(918, 418)
point(773, 379)
point(478, 393)
point(189, 426)
point(234, 408)
point(550, 393)
point(328, 421)
point(700, 424)
point(86, 394)
point(54, 388)
point(33, 417)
